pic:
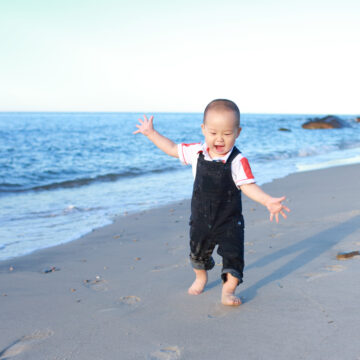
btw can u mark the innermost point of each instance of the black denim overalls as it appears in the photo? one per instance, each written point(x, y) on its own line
point(216, 218)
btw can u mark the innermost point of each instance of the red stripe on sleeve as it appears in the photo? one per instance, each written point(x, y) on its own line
point(246, 167)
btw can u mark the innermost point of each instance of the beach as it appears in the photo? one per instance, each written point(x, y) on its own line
point(120, 292)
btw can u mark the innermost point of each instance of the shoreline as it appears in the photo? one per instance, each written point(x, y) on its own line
point(122, 289)
point(113, 219)
point(101, 183)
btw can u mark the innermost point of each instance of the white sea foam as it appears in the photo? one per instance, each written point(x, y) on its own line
point(329, 163)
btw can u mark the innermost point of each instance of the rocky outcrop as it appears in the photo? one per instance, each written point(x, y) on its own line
point(327, 122)
point(357, 119)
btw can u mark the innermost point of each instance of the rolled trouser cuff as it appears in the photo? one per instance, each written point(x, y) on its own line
point(233, 272)
point(202, 264)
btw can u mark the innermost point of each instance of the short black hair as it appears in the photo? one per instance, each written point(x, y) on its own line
point(223, 104)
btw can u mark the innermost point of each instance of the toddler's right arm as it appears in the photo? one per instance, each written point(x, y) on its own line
point(163, 143)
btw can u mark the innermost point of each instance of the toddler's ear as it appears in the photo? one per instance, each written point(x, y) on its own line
point(238, 131)
point(203, 128)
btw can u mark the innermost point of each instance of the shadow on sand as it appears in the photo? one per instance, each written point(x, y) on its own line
point(310, 248)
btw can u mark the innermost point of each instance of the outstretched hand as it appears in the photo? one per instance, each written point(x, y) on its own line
point(276, 207)
point(145, 127)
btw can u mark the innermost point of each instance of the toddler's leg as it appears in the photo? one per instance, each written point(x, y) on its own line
point(201, 248)
point(228, 291)
point(231, 248)
point(198, 285)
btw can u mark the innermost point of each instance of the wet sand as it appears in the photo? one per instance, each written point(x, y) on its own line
point(120, 292)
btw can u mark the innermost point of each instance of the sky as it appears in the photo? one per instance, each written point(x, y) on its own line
point(275, 56)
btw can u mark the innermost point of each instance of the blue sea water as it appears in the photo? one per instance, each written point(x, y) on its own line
point(64, 174)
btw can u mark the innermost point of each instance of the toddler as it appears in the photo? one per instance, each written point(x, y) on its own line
point(221, 174)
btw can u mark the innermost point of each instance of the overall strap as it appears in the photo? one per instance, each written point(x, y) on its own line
point(235, 152)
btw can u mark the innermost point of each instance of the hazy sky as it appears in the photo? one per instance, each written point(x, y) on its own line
point(278, 56)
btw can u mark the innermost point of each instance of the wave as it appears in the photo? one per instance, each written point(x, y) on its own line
point(79, 182)
point(304, 152)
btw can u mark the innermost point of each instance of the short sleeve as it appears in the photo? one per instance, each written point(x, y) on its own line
point(188, 152)
point(241, 171)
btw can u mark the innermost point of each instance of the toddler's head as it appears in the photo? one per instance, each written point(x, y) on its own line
point(223, 105)
point(221, 126)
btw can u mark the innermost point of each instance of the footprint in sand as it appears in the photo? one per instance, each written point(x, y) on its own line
point(164, 267)
point(24, 343)
point(129, 300)
point(314, 276)
point(175, 249)
point(170, 267)
point(220, 311)
point(329, 269)
point(276, 235)
point(167, 353)
point(98, 284)
point(336, 268)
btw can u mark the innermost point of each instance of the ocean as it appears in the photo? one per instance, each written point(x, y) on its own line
point(64, 174)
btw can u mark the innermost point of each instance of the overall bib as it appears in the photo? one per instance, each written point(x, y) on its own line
point(216, 218)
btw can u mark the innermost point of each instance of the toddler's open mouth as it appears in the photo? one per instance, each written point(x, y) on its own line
point(220, 148)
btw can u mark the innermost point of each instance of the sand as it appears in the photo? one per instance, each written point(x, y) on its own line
point(120, 292)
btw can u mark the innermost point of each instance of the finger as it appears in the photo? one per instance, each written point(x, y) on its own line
point(280, 199)
point(141, 121)
point(271, 217)
point(277, 217)
point(146, 119)
point(151, 118)
point(139, 129)
point(286, 208)
point(283, 214)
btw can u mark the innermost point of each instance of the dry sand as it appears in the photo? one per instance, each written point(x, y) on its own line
point(121, 291)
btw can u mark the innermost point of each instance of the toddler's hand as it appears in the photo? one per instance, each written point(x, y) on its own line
point(275, 207)
point(145, 127)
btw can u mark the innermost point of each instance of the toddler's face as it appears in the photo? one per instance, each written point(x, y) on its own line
point(220, 131)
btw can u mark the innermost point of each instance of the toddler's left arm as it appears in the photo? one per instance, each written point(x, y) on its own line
point(274, 205)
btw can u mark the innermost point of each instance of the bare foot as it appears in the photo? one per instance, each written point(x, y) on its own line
point(228, 292)
point(198, 285)
point(230, 299)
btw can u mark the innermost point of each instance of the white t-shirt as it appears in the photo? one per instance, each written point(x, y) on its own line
point(240, 168)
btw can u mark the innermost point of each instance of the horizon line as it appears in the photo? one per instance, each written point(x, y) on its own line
point(171, 112)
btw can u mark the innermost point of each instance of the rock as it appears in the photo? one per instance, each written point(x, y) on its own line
point(343, 256)
point(284, 129)
point(327, 122)
point(357, 119)
point(130, 300)
point(50, 269)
